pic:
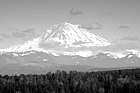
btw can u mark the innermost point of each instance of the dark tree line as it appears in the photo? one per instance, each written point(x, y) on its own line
point(117, 81)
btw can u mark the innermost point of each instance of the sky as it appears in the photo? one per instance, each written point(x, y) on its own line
point(118, 21)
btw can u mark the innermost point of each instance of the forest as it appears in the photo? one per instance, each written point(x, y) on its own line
point(115, 81)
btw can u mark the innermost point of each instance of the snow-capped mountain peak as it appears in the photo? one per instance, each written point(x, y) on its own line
point(73, 36)
point(60, 38)
point(68, 39)
point(66, 44)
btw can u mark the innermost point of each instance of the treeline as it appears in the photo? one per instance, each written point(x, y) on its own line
point(117, 81)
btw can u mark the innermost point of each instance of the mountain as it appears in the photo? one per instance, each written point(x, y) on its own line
point(68, 35)
point(40, 62)
point(65, 38)
point(66, 47)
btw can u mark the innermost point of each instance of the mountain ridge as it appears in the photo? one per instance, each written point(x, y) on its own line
point(53, 42)
point(46, 53)
point(64, 39)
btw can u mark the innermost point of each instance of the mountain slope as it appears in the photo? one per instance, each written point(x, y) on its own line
point(72, 36)
point(64, 46)
point(65, 39)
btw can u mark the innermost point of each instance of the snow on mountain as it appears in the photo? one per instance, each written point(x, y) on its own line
point(67, 39)
point(121, 54)
point(60, 38)
point(115, 54)
point(136, 52)
point(72, 36)
point(65, 45)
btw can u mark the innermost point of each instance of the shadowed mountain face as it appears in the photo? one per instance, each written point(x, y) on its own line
point(64, 47)
point(40, 62)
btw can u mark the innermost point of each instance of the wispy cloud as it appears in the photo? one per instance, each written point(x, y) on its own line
point(128, 42)
point(25, 34)
point(124, 27)
point(91, 26)
point(12, 29)
point(3, 35)
point(128, 38)
point(122, 46)
point(117, 47)
point(29, 31)
point(115, 41)
point(75, 12)
point(19, 34)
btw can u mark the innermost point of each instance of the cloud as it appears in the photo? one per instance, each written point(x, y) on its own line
point(26, 34)
point(91, 26)
point(124, 46)
point(128, 38)
point(128, 42)
point(124, 43)
point(30, 31)
point(118, 47)
point(3, 35)
point(115, 41)
point(19, 34)
point(75, 12)
point(12, 29)
point(124, 27)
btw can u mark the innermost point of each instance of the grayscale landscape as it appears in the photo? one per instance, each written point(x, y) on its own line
point(50, 36)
